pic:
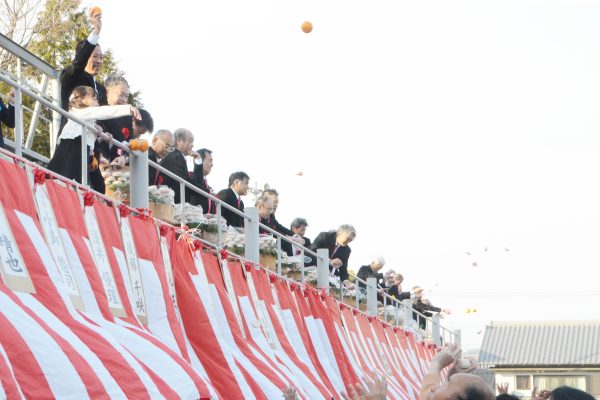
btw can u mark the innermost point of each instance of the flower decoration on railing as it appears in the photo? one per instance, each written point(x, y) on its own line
point(224, 253)
point(273, 277)
point(39, 176)
point(248, 265)
point(124, 211)
point(88, 199)
point(144, 213)
point(165, 229)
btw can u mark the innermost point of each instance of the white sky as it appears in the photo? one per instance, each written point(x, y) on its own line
point(476, 121)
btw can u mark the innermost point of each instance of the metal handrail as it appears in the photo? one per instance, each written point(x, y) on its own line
point(27, 56)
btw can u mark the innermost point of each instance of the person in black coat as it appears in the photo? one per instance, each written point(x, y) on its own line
point(84, 68)
point(371, 271)
point(175, 163)
point(271, 220)
point(395, 290)
point(238, 187)
point(162, 144)
point(298, 228)
point(201, 170)
point(424, 306)
point(339, 251)
point(7, 114)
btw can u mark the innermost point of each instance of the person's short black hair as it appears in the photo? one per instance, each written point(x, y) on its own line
point(203, 152)
point(569, 393)
point(146, 121)
point(238, 175)
point(474, 393)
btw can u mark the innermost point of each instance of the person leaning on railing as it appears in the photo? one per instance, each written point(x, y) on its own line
point(238, 187)
point(175, 163)
point(395, 290)
point(162, 144)
point(372, 271)
point(339, 252)
point(264, 205)
point(7, 114)
point(424, 306)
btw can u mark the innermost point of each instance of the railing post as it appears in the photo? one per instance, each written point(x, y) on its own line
point(302, 265)
point(19, 112)
point(435, 329)
point(372, 296)
point(36, 115)
point(457, 337)
point(18, 121)
point(139, 179)
point(219, 222)
point(385, 308)
point(407, 313)
point(84, 156)
point(251, 235)
point(322, 268)
point(279, 255)
point(182, 202)
point(55, 128)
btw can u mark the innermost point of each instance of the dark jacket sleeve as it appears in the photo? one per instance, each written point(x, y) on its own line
point(7, 115)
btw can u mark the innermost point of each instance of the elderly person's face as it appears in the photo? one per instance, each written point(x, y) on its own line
point(264, 208)
point(375, 266)
point(94, 62)
point(117, 95)
point(300, 230)
point(163, 145)
point(185, 145)
point(344, 238)
point(455, 387)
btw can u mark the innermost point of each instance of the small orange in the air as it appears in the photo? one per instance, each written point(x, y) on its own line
point(307, 27)
point(134, 144)
point(95, 11)
point(144, 145)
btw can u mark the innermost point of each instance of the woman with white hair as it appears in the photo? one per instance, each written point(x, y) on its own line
point(372, 271)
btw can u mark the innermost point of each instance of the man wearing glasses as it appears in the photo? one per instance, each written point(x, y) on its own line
point(162, 144)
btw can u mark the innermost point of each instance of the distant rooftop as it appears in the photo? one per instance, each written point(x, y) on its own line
point(541, 343)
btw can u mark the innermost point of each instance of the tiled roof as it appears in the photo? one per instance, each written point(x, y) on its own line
point(549, 343)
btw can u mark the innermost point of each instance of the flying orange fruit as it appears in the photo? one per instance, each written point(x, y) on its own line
point(95, 11)
point(307, 27)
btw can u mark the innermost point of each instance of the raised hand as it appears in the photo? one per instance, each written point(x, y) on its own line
point(542, 395)
point(97, 24)
point(448, 355)
point(502, 388)
point(135, 113)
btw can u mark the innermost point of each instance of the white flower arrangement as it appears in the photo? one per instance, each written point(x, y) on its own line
point(161, 195)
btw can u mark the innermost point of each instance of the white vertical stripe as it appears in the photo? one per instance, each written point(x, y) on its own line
point(6, 360)
point(325, 352)
point(88, 298)
point(205, 293)
point(63, 379)
point(158, 321)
